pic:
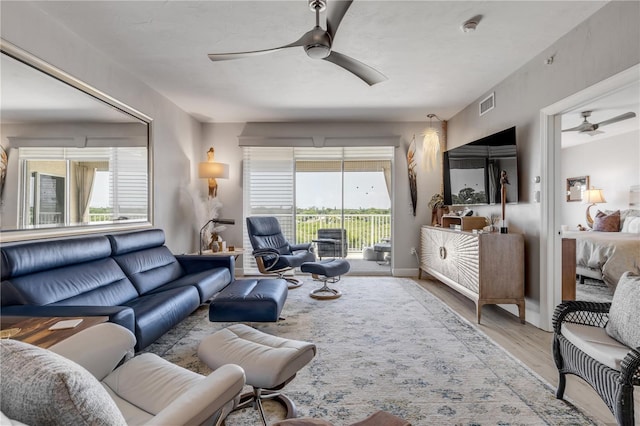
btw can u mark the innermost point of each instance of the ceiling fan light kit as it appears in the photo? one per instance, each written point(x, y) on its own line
point(317, 44)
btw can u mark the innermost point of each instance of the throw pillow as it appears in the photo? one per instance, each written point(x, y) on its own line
point(42, 387)
point(607, 222)
point(624, 315)
point(632, 225)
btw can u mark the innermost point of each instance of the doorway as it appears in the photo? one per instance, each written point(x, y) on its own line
point(553, 192)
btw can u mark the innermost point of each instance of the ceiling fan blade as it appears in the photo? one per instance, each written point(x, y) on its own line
point(625, 116)
point(585, 126)
point(365, 72)
point(302, 41)
point(335, 13)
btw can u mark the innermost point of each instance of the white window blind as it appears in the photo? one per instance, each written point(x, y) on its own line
point(268, 191)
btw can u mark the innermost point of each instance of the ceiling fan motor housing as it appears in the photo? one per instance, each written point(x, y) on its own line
point(320, 45)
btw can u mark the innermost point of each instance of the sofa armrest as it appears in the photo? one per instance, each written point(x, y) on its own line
point(121, 315)
point(205, 399)
point(594, 314)
point(198, 263)
point(99, 349)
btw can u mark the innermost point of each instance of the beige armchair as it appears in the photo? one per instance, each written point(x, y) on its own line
point(145, 389)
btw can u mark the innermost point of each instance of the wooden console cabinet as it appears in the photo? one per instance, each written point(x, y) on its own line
point(488, 268)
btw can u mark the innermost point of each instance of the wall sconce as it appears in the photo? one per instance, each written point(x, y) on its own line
point(212, 170)
point(592, 197)
point(431, 144)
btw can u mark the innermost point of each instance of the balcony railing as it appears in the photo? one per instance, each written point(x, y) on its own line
point(363, 230)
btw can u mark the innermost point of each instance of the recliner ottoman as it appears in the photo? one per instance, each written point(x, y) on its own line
point(249, 300)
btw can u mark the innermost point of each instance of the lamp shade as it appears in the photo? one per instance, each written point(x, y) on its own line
point(212, 170)
point(593, 196)
point(430, 148)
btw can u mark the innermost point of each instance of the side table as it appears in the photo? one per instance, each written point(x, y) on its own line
point(35, 330)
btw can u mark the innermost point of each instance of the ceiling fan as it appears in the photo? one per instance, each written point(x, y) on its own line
point(592, 128)
point(317, 43)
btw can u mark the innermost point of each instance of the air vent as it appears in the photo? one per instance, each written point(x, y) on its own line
point(487, 104)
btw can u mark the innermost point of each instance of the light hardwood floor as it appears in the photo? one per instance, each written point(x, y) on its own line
point(527, 343)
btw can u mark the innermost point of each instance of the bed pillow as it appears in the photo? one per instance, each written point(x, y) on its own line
point(632, 224)
point(47, 388)
point(624, 314)
point(607, 222)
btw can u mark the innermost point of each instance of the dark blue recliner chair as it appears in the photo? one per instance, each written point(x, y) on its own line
point(272, 251)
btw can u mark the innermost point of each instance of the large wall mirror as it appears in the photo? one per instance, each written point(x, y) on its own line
point(74, 160)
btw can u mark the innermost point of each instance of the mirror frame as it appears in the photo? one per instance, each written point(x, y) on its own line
point(11, 50)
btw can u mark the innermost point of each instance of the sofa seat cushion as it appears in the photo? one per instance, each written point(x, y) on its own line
point(142, 381)
point(159, 312)
point(207, 282)
point(42, 387)
point(595, 342)
point(99, 283)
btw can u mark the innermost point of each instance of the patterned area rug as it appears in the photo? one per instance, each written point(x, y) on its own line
point(387, 344)
point(593, 291)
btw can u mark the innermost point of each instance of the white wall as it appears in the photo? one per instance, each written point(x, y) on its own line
point(605, 44)
point(176, 135)
point(612, 164)
point(224, 137)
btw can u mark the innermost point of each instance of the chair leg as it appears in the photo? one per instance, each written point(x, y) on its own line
point(325, 292)
point(255, 399)
point(562, 382)
point(292, 282)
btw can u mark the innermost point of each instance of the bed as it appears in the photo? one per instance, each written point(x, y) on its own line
point(607, 255)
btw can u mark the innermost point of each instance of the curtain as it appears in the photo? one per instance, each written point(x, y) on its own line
point(84, 185)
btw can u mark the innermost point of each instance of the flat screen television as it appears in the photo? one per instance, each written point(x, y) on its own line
point(472, 171)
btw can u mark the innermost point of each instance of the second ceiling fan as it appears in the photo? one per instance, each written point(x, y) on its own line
point(317, 44)
point(592, 128)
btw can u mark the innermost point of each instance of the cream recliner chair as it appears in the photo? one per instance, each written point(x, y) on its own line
point(145, 389)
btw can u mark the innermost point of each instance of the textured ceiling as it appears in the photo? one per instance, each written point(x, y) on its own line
point(433, 67)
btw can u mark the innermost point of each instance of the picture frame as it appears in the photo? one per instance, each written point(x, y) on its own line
point(576, 186)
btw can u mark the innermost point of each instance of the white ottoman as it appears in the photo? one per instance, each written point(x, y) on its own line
point(269, 362)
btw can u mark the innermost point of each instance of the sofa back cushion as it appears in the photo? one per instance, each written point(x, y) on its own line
point(144, 258)
point(31, 257)
point(41, 387)
point(624, 314)
point(97, 283)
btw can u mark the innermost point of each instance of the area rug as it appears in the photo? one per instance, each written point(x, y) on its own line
point(593, 291)
point(388, 344)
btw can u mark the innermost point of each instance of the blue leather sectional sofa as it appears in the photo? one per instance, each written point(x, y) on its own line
point(131, 277)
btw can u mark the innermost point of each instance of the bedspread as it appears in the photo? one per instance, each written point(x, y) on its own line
point(612, 253)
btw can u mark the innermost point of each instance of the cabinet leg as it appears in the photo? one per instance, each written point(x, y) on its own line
point(478, 311)
point(521, 312)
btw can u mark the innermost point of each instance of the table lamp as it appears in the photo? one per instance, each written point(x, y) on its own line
point(592, 197)
point(214, 221)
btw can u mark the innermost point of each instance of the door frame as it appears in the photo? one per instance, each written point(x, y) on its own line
point(553, 194)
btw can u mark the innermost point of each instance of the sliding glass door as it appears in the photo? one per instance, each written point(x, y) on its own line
point(340, 193)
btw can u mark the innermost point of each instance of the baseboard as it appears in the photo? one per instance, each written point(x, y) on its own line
point(405, 272)
point(531, 316)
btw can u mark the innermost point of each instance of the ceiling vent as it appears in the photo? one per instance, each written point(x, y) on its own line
point(487, 104)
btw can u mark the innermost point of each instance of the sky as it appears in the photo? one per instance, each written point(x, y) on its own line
point(322, 189)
